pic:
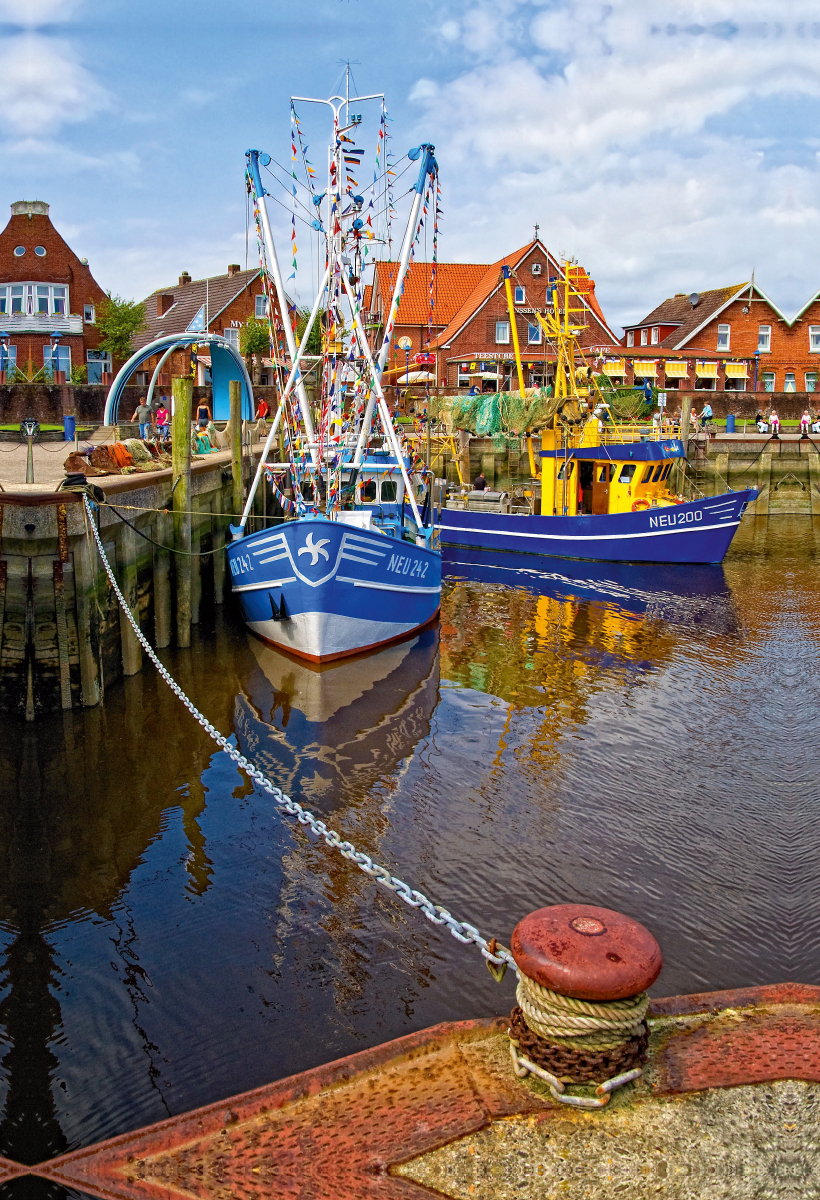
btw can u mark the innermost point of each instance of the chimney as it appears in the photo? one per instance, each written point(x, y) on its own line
point(234, 268)
point(184, 278)
point(164, 301)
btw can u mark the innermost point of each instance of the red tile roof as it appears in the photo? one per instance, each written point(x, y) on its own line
point(453, 281)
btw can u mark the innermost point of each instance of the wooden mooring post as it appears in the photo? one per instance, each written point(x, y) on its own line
point(182, 391)
point(237, 493)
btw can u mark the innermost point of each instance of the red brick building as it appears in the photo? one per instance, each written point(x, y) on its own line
point(477, 341)
point(727, 339)
point(219, 304)
point(48, 300)
point(424, 312)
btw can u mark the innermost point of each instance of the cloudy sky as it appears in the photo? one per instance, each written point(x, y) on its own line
point(667, 146)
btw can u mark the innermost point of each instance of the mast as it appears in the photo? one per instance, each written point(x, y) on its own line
point(261, 194)
point(428, 166)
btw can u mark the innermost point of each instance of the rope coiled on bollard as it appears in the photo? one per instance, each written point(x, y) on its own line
point(580, 1024)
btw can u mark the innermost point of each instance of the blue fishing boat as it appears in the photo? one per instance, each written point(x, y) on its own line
point(605, 491)
point(357, 563)
point(612, 503)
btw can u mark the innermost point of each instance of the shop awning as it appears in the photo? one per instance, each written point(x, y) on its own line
point(645, 370)
point(615, 368)
point(706, 370)
point(737, 370)
point(676, 370)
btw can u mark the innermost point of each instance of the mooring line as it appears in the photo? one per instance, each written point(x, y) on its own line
point(497, 956)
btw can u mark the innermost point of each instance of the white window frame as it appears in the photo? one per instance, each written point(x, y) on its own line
point(533, 333)
point(97, 359)
point(790, 377)
point(232, 336)
point(630, 337)
point(811, 381)
point(725, 331)
point(502, 333)
point(764, 339)
point(28, 296)
point(644, 337)
point(766, 376)
point(89, 314)
point(519, 294)
point(462, 380)
point(656, 335)
point(260, 303)
point(814, 339)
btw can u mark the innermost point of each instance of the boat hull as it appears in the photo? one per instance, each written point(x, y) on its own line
point(697, 532)
point(323, 590)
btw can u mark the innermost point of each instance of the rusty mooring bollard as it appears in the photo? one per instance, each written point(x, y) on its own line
point(581, 1013)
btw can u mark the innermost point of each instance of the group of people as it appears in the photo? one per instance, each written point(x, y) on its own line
point(151, 417)
point(809, 422)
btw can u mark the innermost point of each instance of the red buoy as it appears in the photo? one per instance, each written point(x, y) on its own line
point(586, 952)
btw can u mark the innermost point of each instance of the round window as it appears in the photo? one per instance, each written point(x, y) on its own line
point(19, 251)
point(40, 251)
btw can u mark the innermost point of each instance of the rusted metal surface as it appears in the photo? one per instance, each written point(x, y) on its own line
point(586, 952)
point(331, 1132)
point(62, 532)
point(772, 993)
point(415, 1116)
point(8, 1169)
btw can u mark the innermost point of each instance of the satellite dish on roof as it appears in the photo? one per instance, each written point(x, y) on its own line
point(694, 299)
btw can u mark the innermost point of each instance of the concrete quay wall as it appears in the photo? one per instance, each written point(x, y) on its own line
point(63, 637)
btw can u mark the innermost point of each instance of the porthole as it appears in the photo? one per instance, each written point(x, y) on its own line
point(40, 251)
point(19, 251)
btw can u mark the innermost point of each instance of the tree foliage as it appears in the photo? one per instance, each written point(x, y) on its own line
point(119, 321)
point(254, 338)
point(314, 345)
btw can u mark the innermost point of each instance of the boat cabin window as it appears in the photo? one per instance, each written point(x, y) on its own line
point(389, 490)
point(369, 490)
point(566, 470)
point(658, 473)
point(666, 470)
point(607, 471)
point(627, 471)
point(647, 475)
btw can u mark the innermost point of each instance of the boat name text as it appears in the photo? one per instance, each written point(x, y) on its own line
point(667, 520)
point(403, 566)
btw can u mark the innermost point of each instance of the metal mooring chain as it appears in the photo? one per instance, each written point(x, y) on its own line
point(461, 930)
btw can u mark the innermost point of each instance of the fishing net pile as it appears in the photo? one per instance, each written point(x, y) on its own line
point(506, 416)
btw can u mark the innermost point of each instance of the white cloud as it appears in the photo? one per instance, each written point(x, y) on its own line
point(43, 86)
point(612, 147)
point(33, 13)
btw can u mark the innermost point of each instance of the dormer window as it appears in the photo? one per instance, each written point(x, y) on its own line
point(644, 337)
point(656, 335)
point(630, 337)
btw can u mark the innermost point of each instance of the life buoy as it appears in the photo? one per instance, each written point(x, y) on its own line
point(640, 504)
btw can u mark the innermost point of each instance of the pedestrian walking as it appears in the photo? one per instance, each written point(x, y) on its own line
point(163, 419)
point(142, 413)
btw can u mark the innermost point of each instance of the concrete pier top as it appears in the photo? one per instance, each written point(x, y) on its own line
point(728, 1107)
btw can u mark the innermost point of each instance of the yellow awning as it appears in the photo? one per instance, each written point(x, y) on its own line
point(706, 370)
point(737, 370)
point(676, 370)
point(615, 368)
point(644, 369)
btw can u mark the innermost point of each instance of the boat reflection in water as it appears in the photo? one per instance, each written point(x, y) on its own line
point(333, 730)
point(540, 631)
point(694, 596)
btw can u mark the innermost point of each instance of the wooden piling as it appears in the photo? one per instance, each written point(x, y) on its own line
point(127, 573)
point(86, 581)
point(182, 391)
point(163, 624)
point(685, 418)
point(235, 427)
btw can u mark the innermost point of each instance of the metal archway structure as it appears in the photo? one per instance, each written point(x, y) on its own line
point(226, 364)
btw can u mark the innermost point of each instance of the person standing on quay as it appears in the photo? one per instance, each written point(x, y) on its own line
point(142, 413)
point(480, 484)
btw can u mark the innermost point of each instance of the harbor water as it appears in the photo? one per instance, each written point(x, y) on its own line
point(642, 738)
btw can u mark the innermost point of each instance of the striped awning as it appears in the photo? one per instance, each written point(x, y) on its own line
point(645, 370)
point(615, 368)
point(706, 370)
point(737, 370)
point(676, 370)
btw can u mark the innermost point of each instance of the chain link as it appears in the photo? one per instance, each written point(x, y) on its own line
point(462, 931)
